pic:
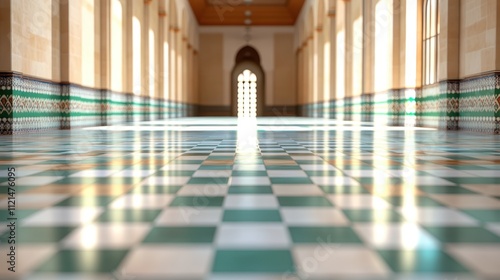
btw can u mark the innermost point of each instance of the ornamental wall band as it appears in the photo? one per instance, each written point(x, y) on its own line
point(28, 104)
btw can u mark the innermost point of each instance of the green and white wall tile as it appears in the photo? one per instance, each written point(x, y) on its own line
point(479, 108)
point(471, 104)
point(80, 106)
point(28, 104)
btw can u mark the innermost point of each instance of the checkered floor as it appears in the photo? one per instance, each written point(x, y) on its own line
point(284, 198)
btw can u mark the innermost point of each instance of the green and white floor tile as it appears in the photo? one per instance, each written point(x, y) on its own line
point(284, 198)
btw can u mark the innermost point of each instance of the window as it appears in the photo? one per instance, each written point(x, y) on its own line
point(136, 56)
point(430, 44)
point(116, 46)
point(247, 95)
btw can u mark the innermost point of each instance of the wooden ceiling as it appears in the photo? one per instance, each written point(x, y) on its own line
point(232, 12)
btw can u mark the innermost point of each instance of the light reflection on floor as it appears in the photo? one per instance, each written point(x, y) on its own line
point(275, 198)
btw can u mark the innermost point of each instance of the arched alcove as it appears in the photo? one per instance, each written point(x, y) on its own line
point(248, 58)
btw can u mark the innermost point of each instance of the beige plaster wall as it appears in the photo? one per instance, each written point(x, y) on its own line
point(478, 36)
point(211, 70)
point(31, 35)
point(284, 72)
point(218, 49)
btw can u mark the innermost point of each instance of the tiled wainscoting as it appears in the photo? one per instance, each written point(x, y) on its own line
point(28, 104)
point(470, 104)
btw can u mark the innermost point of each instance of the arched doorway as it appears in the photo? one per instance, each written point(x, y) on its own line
point(247, 84)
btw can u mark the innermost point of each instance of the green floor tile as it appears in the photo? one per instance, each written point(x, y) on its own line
point(291, 180)
point(86, 261)
point(251, 216)
point(63, 173)
point(467, 167)
point(463, 234)
point(487, 216)
point(75, 181)
point(250, 189)
point(220, 158)
point(118, 180)
point(17, 189)
point(369, 215)
point(344, 189)
point(283, 167)
point(328, 173)
point(156, 189)
point(277, 157)
point(304, 201)
point(38, 234)
point(181, 235)
point(248, 173)
point(216, 167)
point(474, 181)
point(198, 201)
point(208, 180)
point(370, 181)
point(421, 261)
point(174, 173)
point(186, 161)
point(323, 235)
point(253, 261)
point(19, 214)
point(412, 201)
point(315, 162)
point(445, 190)
point(86, 201)
point(128, 215)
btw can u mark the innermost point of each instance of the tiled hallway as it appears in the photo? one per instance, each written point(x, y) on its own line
point(283, 198)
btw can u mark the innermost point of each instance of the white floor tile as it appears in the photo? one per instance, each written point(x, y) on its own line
point(436, 216)
point(249, 181)
point(250, 201)
point(309, 216)
point(334, 181)
point(63, 216)
point(203, 190)
point(358, 201)
point(187, 216)
point(396, 236)
point(168, 262)
point(286, 173)
point(107, 236)
point(252, 235)
point(296, 190)
point(342, 262)
point(142, 201)
point(482, 258)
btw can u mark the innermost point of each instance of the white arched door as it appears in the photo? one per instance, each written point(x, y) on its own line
point(247, 94)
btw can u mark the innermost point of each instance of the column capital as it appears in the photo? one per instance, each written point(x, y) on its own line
point(147, 2)
point(332, 13)
point(162, 14)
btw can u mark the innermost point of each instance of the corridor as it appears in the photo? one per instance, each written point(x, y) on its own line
point(272, 198)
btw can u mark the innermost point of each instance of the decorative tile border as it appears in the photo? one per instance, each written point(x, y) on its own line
point(479, 107)
point(470, 104)
point(28, 104)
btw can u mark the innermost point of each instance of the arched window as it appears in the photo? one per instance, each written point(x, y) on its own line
point(247, 95)
point(430, 46)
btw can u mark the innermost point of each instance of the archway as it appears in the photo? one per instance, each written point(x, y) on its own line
point(247, 84)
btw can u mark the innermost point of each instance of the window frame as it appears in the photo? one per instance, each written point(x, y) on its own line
point(430, 42)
